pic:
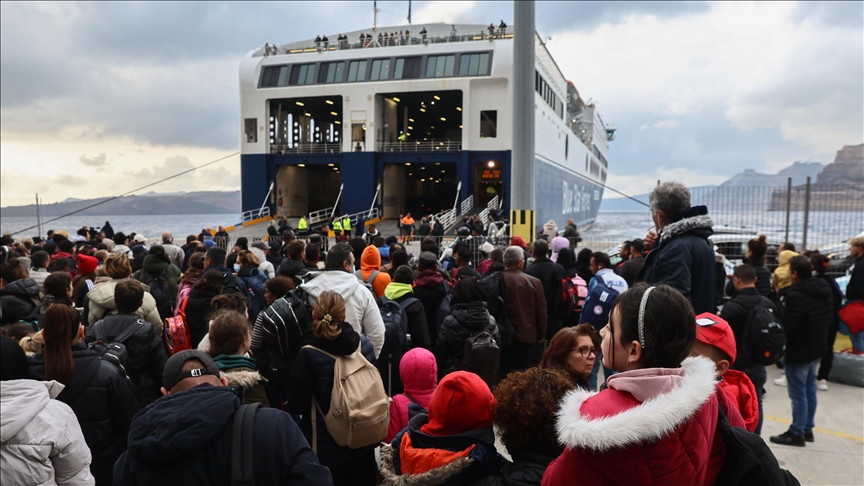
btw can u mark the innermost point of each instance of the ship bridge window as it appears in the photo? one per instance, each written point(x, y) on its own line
point(407, 68)
point(380, 70)
point(357, 71)
point(474, 64)
point(331, 72)
point(440, 66)
point(302, 74)
point(250, 126)
point(273, 76)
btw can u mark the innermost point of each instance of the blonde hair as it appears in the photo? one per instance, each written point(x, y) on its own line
point(328, 315)
point(248, 257)
point(117, 266)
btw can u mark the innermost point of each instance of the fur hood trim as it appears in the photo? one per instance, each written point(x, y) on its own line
point(649, 421)
point(436, 476)
point(242, 377)
point(685, 225)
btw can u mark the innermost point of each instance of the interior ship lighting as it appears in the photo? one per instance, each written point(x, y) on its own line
point(397, 100)
point(458, 108)
point(334, 113)
point(491, 164)
point(299, 103)
point(329, 102)
point(301, 165)
point(330, 165)
point(437, 97)
point(443, 119)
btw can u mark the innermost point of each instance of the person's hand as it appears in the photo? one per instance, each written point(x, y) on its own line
point(650, 239)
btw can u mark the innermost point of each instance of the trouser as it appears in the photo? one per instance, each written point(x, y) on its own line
point(801, 385)
point(758, 376)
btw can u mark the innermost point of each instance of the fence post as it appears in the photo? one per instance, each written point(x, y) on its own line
point(788, 203)
point(806, 214)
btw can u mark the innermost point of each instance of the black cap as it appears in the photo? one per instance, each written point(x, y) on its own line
point(172, 373)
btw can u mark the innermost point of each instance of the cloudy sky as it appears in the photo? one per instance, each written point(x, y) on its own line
point(99, 98)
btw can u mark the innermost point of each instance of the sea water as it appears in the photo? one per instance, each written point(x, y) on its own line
point(151, 225)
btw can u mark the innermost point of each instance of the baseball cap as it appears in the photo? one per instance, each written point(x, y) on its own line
point(139, 238)
point(714, 331)
point(172, 373)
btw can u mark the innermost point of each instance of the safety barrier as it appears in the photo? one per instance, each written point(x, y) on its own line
point(254, 214)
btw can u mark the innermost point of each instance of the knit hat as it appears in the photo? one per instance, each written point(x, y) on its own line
point(714, 331)
point(518, 241)
point(461, 403)
point(558, 244)
point(173, 371)
point(87, 263)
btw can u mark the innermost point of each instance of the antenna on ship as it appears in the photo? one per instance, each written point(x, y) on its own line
point(409, 12)
point(374, 15)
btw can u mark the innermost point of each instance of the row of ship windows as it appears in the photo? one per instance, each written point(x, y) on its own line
point(545, 91)
point(474, 64)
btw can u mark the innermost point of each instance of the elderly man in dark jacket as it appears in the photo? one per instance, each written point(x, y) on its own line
point(550, 274)
point(186, 436)
point(682, 257)
point(806, 319)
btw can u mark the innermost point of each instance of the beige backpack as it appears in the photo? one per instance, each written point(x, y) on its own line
point(359, 408)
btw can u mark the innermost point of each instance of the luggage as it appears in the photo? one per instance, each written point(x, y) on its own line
point(848, 368)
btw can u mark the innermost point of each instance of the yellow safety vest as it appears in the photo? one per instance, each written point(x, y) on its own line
point(346, 224)
point(337, 225)
point(302, 224)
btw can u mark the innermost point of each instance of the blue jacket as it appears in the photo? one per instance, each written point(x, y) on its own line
point(185, 439)
point(684, 260)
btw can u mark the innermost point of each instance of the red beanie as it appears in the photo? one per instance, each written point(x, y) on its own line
point(87, 264)
point(462, 402)
point(518, 241)
point(714, 331)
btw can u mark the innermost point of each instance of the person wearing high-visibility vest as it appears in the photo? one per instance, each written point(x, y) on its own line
point(337, 227)
point(346, 225)
point(407, 228)
point(302, 226)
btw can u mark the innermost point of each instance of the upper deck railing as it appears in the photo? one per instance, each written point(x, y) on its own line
point(420, 146)
point(371, 42)
point(306, 148)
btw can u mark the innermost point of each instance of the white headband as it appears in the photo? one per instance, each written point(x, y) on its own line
point(641, 322)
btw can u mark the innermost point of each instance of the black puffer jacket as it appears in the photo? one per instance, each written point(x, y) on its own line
point(102, 399)
point(550, 274)
point(198, 314)
point(806, 319)
point(464, 320)
point(526, 469)
point(146, 354)
point(735, 312)
point(684, 260)
point(19, 301)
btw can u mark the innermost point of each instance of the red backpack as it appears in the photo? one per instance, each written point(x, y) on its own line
point(574, 290)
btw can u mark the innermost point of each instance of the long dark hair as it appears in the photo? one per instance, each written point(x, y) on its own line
point(59, 331)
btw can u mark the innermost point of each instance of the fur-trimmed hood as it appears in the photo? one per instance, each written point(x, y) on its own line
point(243, 377)
point(667, 398)
point(701, 224)
point(436, 476)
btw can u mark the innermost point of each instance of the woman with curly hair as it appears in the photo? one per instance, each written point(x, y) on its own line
point(525, 418)
point(573, 349)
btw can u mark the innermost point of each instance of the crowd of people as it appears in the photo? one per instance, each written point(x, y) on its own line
point(126, 362)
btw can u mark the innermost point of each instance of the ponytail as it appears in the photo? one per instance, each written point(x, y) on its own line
point(59, 331)
point(328, 315)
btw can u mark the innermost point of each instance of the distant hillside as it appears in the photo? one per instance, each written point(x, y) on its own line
point(798, 171)
point(205, 202)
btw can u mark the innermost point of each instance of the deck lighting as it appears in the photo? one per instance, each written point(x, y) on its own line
point(301, 165)
point(330, 165)
point(411, 120)
point(422, 110)
point(334, 113)
point(329, 102)
point(299, 103)
point(443, 119)
point(458, 108)
point(407, 164)
point(436, 97)
point(491, 164)
point(337, 122)
point(397, 100)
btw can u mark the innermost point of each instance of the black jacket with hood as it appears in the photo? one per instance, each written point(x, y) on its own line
point(806, 320)
point(464, 320)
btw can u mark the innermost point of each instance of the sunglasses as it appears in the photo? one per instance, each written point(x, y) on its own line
point(586, 351)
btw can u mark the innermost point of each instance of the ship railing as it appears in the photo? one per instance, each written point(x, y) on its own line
point(371, 43)
point(492, 205)
point(421, 146)
point(447, 218)
point(306, 148)
point(364, 215)
point(254, 214)
point(320, 215)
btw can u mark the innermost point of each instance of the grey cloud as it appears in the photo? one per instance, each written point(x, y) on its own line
point(830, 13)
point(95, 161)
point(69, 180)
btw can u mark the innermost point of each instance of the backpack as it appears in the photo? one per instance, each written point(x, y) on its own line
point(160, 291)
point(114, 351)
point(574, 290)
point(368, 281)
point(284, 324)
point(598, 303)
point(397, 339)
point(493, 284)
point(481, 356)
point(765, 337)
point(235, 285)
point(175, 333)
point(748, 460)
point(242, 459)
point(359, 408)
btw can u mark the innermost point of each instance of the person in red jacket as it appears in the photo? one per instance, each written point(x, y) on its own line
point(656, 421)
point(716, 341)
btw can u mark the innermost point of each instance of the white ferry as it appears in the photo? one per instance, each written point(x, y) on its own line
point(416, 119)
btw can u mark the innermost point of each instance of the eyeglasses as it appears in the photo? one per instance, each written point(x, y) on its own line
point(586, 351)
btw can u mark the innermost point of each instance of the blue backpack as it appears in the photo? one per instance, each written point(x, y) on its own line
point(598, 304)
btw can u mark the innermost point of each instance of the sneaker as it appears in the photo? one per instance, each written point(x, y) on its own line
point(780, 381)
point(788, 438)
point(808, 435)
point(822, 385)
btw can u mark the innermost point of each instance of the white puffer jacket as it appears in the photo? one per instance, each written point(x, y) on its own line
point(42, 441)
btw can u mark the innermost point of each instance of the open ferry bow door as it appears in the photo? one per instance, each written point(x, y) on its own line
point(305, 188)
point(488, 182)
point(421, 188)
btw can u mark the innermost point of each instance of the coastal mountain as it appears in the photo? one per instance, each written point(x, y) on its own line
point(798, 171)
point(204, 202)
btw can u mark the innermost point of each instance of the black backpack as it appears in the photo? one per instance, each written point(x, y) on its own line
point(481, 355)
point(114, 351)
point(161, 293)
point(749, 460)
point(397, 340)
point(242, 445)
point(493, 284)
point(764, 335)
point(284, 324)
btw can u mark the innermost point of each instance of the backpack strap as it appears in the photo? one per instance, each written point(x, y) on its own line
point(243, 428)
point(409, 397)
point(372, 276)
point(128, 332)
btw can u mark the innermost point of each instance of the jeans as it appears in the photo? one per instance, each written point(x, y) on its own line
point(758, 376)
point(801, 384)
point(857, 341)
